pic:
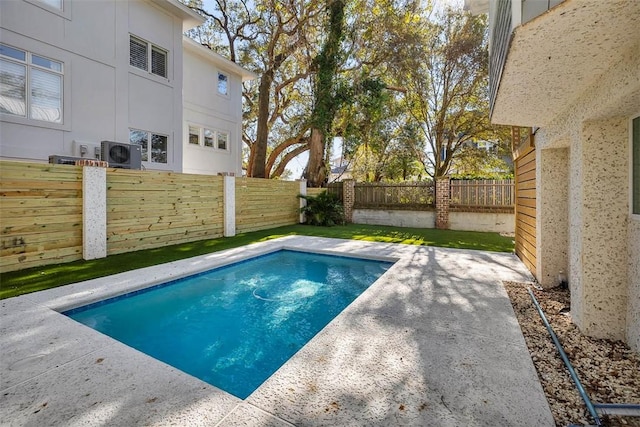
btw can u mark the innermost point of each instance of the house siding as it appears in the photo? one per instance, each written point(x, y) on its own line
point(103, 95)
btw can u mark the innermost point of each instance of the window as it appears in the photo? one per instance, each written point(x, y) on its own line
point(222, 141)
point(635, 167)
point(30, 85)
point(208, 138)
point(144, 55)
point(154, 153)
point(223, 84)
point(194, 135)
point(53, 3)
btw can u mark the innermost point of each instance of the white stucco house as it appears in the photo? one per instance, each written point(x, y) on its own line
point(570, 70)
point(75, 73)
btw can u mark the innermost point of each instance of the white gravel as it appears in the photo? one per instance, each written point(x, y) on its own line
point(608, 370)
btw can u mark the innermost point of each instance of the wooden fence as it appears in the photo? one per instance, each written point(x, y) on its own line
point(41, 214)
point(489, 193)
point(151, 209)
point(410, 195)
point(264, 203)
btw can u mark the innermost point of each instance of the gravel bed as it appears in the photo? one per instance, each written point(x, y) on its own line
point(609, 370)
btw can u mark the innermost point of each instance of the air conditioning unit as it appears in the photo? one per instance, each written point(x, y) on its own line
point(123, 156)
point(64, 160)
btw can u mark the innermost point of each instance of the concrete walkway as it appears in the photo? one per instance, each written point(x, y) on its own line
point(433, 342)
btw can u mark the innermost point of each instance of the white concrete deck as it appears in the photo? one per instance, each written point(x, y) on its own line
point(433, 342)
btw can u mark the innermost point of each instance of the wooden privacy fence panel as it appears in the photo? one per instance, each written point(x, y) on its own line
point(315, 191)
point(265, 203)
point(148, 209)
point(525, 165)
point(41, 212)
point(483, 193)
point(409, 195)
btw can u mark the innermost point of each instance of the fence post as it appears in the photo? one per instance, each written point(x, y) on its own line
point(442, 202)
point(303, 202)
point(229, 202)
point(94, 212)
point(348, 198)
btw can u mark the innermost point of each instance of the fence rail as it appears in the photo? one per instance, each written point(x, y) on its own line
point(413, 195)
point(483, 193)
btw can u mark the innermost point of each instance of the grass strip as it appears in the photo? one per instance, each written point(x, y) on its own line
point(39, 278)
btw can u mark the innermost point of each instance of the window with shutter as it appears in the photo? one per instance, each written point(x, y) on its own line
point(138, 53)
point(31, 85)
point(158, 62)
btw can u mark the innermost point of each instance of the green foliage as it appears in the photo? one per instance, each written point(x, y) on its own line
point(325, 209)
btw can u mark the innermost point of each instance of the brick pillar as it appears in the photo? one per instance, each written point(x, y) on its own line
point(348, 198)
point(442, 203)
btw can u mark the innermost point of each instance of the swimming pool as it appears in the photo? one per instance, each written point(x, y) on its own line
point(234, 326)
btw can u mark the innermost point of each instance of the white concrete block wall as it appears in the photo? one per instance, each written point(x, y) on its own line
point(482, 221)
point(94, 212)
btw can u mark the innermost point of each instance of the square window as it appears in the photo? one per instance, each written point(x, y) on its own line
point(194, 135)
point(30, 85)
point(208, 138)
point(223, 84)
point(223, 138)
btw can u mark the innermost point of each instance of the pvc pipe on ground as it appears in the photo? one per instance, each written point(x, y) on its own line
point(565, 359)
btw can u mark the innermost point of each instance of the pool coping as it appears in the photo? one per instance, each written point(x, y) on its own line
point(106, 382)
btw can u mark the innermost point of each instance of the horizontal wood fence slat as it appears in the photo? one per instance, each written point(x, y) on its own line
point(147, 209)
point(41, 214)
point(263, 204)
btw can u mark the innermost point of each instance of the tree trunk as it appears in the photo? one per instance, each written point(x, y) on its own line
point(316, 170)
point(259, 153)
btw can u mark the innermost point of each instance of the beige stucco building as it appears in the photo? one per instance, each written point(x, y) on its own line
point(571, 71)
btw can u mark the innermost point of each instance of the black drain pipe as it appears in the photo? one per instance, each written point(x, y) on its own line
point(565, 359)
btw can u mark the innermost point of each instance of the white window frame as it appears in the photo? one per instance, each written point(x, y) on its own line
point(148, 153)
point(634, 215)
point(201, 138)
point(30, 66)
point(149, 61)
point(64, 11)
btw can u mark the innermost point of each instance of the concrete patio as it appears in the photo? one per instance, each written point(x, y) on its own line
point(433, 342)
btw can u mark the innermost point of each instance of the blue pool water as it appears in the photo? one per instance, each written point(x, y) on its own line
point(234, 326)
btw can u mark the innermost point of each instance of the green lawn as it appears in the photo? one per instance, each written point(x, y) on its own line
point(39, 278)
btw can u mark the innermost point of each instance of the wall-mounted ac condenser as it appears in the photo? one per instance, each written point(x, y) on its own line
point(120, 155)
point(64, 160)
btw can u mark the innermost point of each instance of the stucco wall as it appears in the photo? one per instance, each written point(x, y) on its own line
point(633, 305)
point(466, 221)
point(482, 221)
point(397, 218)
point(552, 178)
